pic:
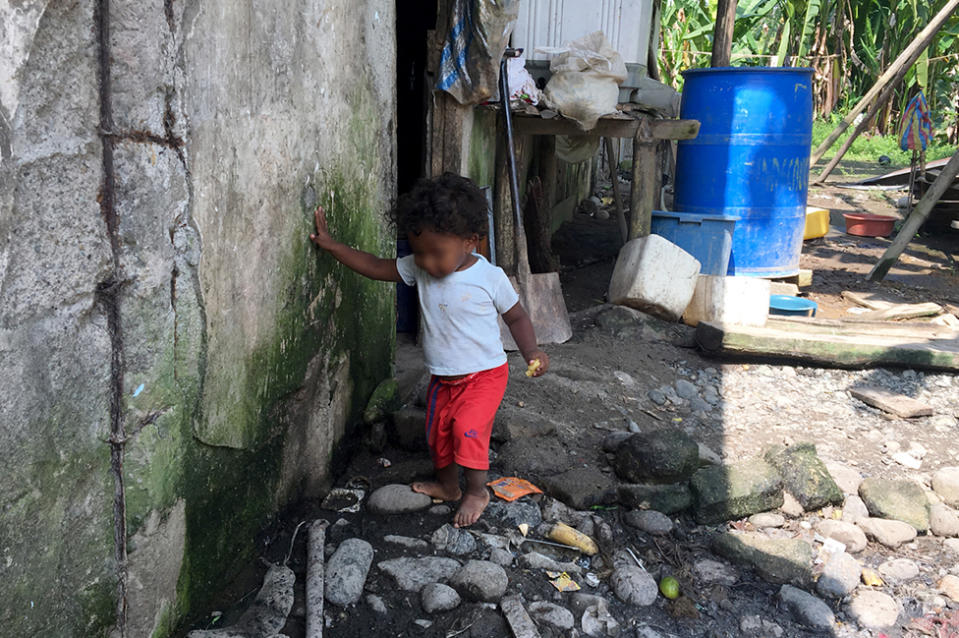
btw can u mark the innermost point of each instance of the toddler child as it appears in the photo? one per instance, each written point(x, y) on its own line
point(461, 295)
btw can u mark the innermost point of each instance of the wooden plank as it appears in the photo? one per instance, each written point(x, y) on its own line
point(622, 126)
point(831, 345)
point(612, 162)
point(898, 404)
point(315, 578)
point(519, 621)
point(815, 325)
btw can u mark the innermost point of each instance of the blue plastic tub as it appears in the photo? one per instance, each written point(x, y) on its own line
point(708, 238)
point(750, 160)
point(792, 306)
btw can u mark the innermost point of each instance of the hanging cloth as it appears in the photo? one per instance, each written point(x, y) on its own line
point(916, 129)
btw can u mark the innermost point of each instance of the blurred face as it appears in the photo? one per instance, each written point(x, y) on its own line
point(440, 254)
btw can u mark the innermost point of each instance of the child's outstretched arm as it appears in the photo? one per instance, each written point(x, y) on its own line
point(364, 263)
point(520, 326)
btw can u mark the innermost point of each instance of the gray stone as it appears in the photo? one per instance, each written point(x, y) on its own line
point(634, 586)
point(501, 557)
point(267, 614)
point(945, 483)
point(580, 602)
point(806, 609)
point(480, 580)
point(897, 500)
point(847, 478)
point(453, 540)
point(662, 456)
point(805, 476)
point(686, 390)
point(710, 572)
point(536, 560)
point(840, 576)
point(613, 440)
point(397, 498)
point(437, 597)
point(411, 574)
point(854, 509)
point(656, 397)
point(873, 609)
point(346, 571)
point(767, 519)
point(649, 521)
point(376, 604)
point(511, 424)
point(668, 499)
point(729, 492)
point(408, 428)
point(757, 627)
point(943, 520)
point(791, 507)
point(553, 510)
point(889, 533)
point(580, 487)
point(951, 544)
point(898, 570)
point(440, 509)
point(708, 457)
point(777, 560)
point(846, 533)
point(550, 614)
point(513, 514)
point(416, 544)
point(949, 586)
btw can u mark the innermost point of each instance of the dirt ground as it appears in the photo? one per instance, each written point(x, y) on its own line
point(604, 380)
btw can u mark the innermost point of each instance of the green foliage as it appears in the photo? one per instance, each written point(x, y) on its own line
point(868, 146)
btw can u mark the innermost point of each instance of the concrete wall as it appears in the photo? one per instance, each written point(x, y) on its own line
point(176, 362)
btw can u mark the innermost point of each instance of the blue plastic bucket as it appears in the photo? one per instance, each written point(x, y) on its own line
point(708, 238)
point(750, 160)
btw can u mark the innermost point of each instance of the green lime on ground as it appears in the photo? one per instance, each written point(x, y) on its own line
point(669, 587)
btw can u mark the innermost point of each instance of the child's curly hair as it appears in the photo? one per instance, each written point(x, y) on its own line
point(445, 204)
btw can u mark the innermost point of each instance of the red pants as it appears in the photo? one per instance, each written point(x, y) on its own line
point(459, 417)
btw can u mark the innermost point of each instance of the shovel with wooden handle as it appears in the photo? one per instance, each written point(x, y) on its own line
point(540, 294)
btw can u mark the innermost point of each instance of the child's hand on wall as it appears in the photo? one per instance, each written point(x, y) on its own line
point(538, 362)
point(321, 237)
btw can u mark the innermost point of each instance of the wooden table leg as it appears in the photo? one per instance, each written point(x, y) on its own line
point(645, 167)
point(612, 161)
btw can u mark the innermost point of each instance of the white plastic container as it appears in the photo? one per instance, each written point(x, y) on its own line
point(654, 275)
point(552, 23)
point(742, 301)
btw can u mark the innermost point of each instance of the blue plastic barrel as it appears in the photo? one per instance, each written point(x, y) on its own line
point(750, 160)
point(708, 238)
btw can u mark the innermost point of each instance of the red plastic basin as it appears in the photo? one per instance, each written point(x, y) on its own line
point(867, 225)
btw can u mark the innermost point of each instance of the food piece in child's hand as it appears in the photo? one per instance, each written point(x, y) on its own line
point(533, 367)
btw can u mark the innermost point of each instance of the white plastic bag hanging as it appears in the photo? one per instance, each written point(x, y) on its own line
point(586, 75)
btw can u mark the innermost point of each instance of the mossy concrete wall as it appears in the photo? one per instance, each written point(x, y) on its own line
point(176, 361)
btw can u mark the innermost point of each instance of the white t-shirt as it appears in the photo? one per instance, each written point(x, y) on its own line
point(459, 314)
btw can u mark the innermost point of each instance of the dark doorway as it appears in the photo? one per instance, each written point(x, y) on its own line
point(413, 21)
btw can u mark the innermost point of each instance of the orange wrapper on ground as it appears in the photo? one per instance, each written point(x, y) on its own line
point(510, 488)
point(562, 582)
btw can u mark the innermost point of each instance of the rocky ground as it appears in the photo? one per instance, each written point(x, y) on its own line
point(624, 409)
point(780, 503)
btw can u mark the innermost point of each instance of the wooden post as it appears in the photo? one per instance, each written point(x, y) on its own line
point(906, 59)
point(723, 33)
point(882, 99)
point(643, 191)
point(613, 162)
point(918, 216)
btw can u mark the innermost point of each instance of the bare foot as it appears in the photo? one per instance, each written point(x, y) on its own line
point(437, 490)
point(471, 508)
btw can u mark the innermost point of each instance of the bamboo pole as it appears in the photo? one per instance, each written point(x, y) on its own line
point(906, 59)
point(723, 33)
point(887, 92)
point(915, 220)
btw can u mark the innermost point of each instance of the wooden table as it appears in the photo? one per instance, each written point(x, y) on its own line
point(645, 132)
